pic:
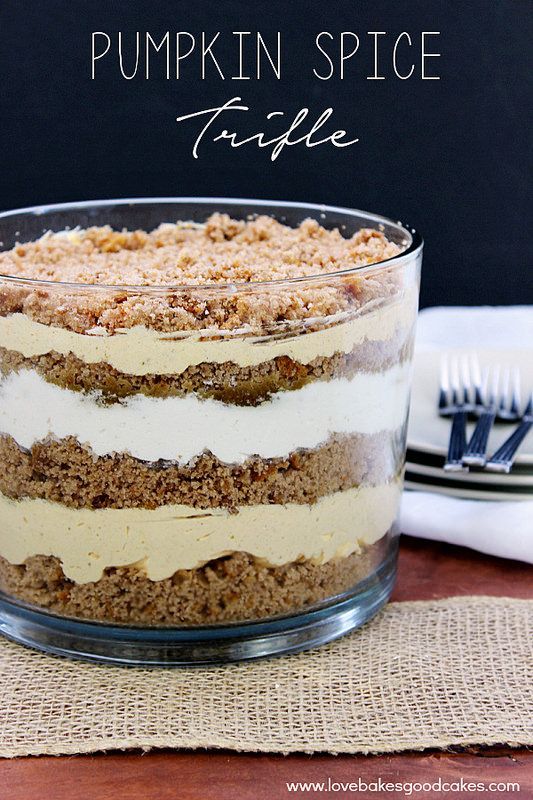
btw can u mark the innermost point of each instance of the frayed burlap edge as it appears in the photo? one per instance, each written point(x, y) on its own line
point(426, 674)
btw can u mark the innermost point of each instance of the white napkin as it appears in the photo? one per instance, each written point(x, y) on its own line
point(498, 528)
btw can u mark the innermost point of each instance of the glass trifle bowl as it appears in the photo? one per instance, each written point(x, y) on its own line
point(203, 407)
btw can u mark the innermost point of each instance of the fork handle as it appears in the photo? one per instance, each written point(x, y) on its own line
point(475, 454)
point(502, 460)
point(457, 443)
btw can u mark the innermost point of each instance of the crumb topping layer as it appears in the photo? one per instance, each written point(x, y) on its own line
point(188, 277)
point(223, 250)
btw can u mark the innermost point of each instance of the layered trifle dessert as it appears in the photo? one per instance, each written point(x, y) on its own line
point(200, 423)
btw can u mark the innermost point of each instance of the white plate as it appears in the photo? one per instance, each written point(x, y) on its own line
point(430, 464)
point(480, 479)
point(480, 482)
point(466, 492)
point(429, 433)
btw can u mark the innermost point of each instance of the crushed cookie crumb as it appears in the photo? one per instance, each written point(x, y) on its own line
point(234, 257)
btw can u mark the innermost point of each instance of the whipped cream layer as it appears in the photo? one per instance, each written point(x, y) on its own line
point(143, 351)
point(173, 537)
point(180, 428)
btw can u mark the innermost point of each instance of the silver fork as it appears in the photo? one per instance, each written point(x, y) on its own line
point(501, 401)
point(503, 458)
point(457, 398)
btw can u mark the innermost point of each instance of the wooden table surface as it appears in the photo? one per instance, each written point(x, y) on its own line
point(427, 570)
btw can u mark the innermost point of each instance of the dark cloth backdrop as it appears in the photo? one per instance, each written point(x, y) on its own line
point(450, 157)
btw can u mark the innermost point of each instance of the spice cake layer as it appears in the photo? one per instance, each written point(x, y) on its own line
point(66, 472)
point(226, 381)
point(229, 589)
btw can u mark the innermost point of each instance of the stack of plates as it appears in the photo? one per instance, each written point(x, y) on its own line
point(428, 434)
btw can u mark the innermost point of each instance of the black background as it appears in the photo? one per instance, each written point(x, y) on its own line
point(451, 157)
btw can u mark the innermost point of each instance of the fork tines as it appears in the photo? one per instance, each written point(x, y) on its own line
point(491, 394)
point(503, 458)
point(455, 400)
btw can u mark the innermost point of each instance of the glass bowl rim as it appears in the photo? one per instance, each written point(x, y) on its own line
point(414, 247)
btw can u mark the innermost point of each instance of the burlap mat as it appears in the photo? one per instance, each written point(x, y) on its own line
point(421, 674)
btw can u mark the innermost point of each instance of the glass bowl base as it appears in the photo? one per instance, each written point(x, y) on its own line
point(173, 647)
